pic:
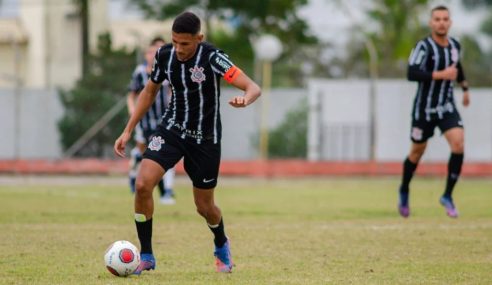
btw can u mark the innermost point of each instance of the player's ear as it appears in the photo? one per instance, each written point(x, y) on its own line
point(200, 37)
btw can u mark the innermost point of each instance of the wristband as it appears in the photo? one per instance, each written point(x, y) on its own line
point(464, 88)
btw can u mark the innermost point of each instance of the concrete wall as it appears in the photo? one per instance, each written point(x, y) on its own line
point(240, 127)
point(342, 131)
point(38, 135)
point(29, 130)
point(344, 106)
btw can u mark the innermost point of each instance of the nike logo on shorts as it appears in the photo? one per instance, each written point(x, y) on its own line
point(208, 180)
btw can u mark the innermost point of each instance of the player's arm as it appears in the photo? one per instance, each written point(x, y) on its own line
point(131, 99)
point(417, 70)
point(464, 84)
point(145, 100)
point(251, 91)
point(236, 77)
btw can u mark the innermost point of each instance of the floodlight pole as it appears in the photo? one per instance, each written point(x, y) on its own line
point(267, 49)
point(265, 105)
point(17, 99)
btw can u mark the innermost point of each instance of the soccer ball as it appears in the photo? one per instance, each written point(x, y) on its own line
point(122, 258)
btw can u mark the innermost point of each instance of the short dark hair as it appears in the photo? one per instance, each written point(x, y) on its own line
point(186, 23)
point(439, 8)
point(156, 40)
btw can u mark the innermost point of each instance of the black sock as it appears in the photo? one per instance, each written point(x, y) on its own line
point(454, 170)
point(162, 191)
point(408, 171)
point(219, 233)
point(144, 230)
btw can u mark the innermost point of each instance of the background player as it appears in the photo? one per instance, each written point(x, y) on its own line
point(435, 65)
point(148, 124)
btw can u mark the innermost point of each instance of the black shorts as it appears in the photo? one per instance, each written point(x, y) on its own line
point(201, 161)
point(422, 129)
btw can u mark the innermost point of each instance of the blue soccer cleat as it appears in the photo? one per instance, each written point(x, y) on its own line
point(403, 206)
point(147, 262)
point(223, 258)
point(451, 210)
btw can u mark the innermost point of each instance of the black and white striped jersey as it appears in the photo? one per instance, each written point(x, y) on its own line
point(153, 117)
point(434, 97)
point(194, 108)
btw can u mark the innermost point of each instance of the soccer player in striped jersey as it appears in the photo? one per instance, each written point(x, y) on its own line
point(149, 122)
point(191, 129)
point(435, 64)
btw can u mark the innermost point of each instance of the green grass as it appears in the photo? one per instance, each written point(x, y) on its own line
point(299, 231)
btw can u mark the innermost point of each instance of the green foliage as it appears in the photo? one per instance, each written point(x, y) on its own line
point(475, 63)
point(289, 138)
point(487, 26)
point(399, 30)
point(93, 96)
point(245, 19)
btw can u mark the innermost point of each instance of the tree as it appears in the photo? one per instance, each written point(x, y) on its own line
point(392, 29)
point(99, 89)
point(244, 20)
point(477, 61)
point(289, 138)
point(399, 28)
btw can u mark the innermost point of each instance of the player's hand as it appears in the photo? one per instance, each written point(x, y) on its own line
point(466, 98)
point(450, 73)
point(238, 102)
point(120, 143)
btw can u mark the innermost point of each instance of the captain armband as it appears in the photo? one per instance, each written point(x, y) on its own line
point(232, 74)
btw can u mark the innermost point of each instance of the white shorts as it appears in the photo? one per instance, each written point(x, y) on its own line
point(139, 135)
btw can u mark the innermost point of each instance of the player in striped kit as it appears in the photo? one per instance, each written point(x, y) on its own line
point(190, 130)
point(435, 64)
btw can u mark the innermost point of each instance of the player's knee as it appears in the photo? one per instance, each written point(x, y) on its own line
point(458, 146)
point(143, 189)
point(203, 209)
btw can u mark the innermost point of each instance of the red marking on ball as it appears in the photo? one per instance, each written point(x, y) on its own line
point(126, 255)
point(114, 272)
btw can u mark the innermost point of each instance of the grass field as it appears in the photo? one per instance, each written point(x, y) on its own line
point(298, 231)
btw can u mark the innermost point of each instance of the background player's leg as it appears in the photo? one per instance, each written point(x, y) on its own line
point(411, 162)
point(149, 175)
point(135, 159)
point(409, 167)
point(169, 181)
point(162, 190)
point(456, 139)
point(165, 186)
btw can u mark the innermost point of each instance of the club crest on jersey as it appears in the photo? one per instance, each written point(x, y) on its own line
point(156, 143)
point(197, 74)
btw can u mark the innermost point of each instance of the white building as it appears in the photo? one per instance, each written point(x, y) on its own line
point(41, 41)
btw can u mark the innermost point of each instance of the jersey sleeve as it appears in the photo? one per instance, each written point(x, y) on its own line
point(223, 66)
point(417, 67)
point(461, 72)
point(158, 75)
point(134, 85)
